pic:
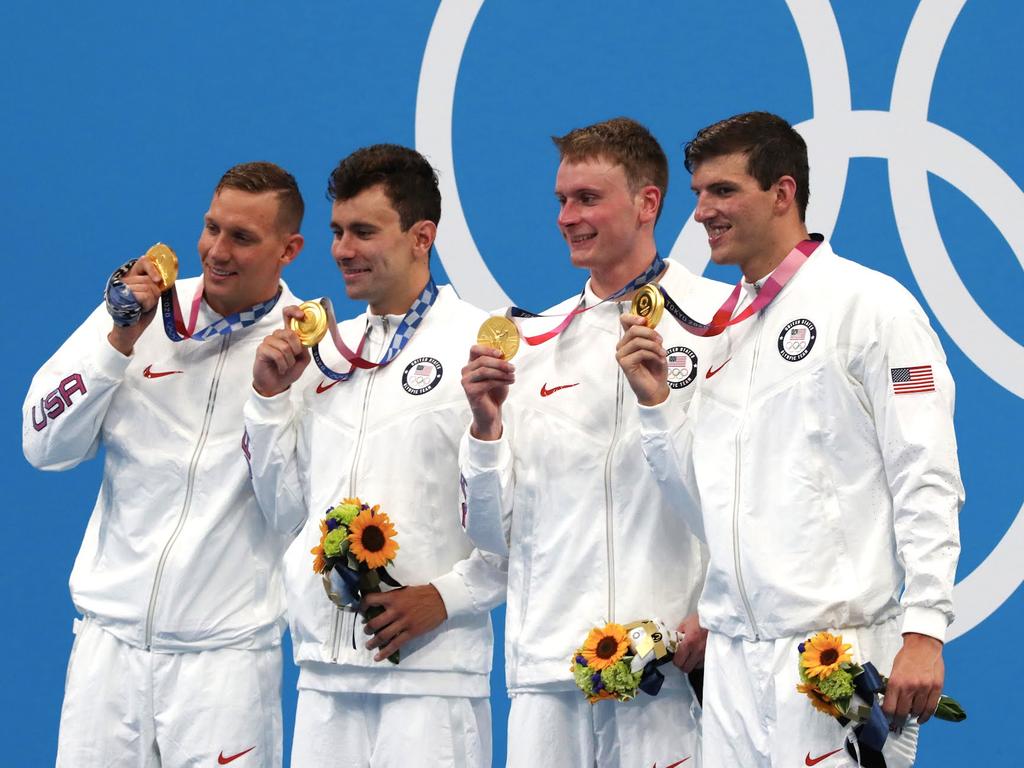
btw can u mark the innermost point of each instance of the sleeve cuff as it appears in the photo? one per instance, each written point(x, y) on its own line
point(655, 418)
point(110, 362)
point(486, 454)
point(268, 409)
point(455, 595)
point(925, 621)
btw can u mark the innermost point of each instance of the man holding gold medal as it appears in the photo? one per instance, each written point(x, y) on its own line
point(820, 460)
point(378, 418)
point(177, 659)
point(555, 478)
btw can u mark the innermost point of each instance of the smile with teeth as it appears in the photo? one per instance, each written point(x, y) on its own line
point(575, 239)
point(715, 231)
point(217, 272)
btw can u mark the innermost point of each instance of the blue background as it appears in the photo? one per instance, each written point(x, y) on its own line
point(119, 117)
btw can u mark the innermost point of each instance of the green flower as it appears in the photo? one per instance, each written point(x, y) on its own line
point(582, 675)
point(344, 514)
point(618, 679)
point(333, 542)
point(837, 686)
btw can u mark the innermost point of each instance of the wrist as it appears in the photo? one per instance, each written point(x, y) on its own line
point(486, 429)
point(652, 399)
point(123, 339)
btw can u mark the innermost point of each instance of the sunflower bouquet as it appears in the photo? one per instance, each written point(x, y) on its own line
point(357, 543)
point(849, 692)
point(616, 661)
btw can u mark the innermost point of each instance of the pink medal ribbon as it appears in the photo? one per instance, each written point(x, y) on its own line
point(772, 287)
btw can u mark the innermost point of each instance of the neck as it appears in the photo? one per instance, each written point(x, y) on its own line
point(608, 281)
point(765, 262)
point(400, 302)
point(224, 309)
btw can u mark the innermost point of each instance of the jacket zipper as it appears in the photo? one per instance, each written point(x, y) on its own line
point(341, 615)
point(736, 495)
point(608, 505)
point(211, 400)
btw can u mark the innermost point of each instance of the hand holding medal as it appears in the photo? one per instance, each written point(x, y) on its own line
point(133, 292)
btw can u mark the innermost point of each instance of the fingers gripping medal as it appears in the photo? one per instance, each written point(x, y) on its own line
point(649, 303)
point(501, 334)
point(312, 328)
point(166, 263)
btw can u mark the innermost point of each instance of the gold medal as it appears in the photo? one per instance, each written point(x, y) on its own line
point(313, 327)
point(501, 334)
point(166, 263)
point(649, 303)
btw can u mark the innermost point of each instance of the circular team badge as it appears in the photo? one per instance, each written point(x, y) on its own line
point(682, 367)
point(421, 375)
point(797, 339)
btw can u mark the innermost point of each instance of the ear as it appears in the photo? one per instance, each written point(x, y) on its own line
point(292, 245)
point(785, 194)
point(423, 234)
point(650, 203)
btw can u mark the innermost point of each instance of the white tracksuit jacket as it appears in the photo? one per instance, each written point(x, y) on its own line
point(566, 493)
point(828, 500)
point(177, 555)
point(389, 436)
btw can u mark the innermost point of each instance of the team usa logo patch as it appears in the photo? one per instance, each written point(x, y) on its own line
point(421, 375)
point(682, 367)
point(797, 339)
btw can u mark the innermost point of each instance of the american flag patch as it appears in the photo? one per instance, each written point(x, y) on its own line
point(917, 378)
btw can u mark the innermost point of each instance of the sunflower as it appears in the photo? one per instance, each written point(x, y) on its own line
point(371, 536)
point(320, 560)
point(605, 646)
point(823, 654)
point(819, 701)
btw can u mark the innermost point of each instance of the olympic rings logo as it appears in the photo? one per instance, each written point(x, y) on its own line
point(837, 133)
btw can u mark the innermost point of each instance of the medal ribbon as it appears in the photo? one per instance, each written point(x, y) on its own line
point(177, 330)
point(772, 287)
point(403, 334)
point(656, 268)
point(126, 311)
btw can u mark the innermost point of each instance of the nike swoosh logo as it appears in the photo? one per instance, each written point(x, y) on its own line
point(320, 388)
point(221, 760)
point(149, 373)
point(544, 391)
point(679, 762)
point(712, 371)
point(815, 760)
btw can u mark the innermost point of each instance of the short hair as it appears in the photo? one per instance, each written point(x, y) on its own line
point(260, 177)
point(624, 141)
point(408, 179)
point(773, 149)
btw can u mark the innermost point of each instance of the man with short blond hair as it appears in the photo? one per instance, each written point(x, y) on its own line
point(178, 577)
point(555, 479)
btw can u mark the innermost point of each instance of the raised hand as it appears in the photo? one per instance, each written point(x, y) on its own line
point(145, 283)
point(486, 379)
point(642, 357)
point(280, 358)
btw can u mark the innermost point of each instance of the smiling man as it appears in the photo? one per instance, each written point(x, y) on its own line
point(387, 432)
point(177, 579)
point(819, 459)
point(555, 477)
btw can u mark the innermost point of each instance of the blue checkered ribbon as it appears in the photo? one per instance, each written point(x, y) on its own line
point(403, 333)
point(233, 322)
point(121, 303)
